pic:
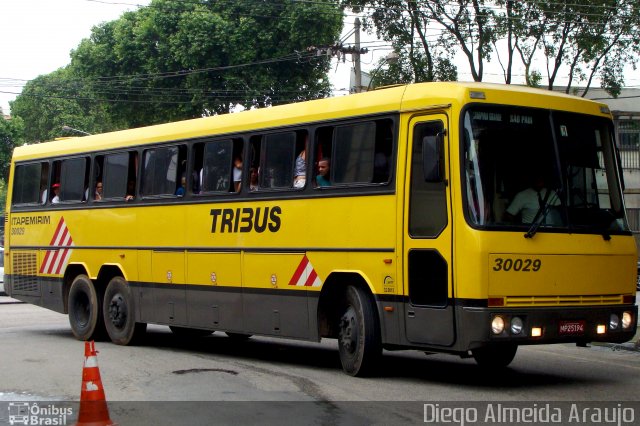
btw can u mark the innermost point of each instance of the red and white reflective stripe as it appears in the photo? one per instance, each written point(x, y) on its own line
point(91, 361)
point(55, 260)
point(305, 275)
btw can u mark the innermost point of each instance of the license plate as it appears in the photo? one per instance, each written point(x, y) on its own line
point(571, 327)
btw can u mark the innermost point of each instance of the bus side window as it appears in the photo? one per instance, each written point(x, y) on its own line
point(362, 153)
point(214, 166)
point(353, 153)
point(217, 166)
point(161, 170)
point(383, 151)
point(279, 156)
point(44, 183)
point(72, 176)
point(30, 184)
point(114, 176)
point(94, 193)
point(197, 162)
point(324, 143)
point(254, 162)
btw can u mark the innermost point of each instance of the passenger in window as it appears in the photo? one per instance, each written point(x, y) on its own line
point(56, 193)
point(182, 188)
point(253, 179)
point(97, 195)
point(45, 194)
point(301, 169)
point(131, 191)
point(322, 179)
point(237, 173)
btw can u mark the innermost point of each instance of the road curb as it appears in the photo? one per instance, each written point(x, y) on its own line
point(6, 300)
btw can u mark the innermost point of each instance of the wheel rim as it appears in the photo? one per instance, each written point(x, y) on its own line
point(118, 311)
point(82, 309)
point(349, 331)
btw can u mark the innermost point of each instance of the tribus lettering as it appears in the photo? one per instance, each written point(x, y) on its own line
point(246, 219)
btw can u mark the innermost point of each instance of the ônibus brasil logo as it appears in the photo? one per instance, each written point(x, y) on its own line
point(33, 413)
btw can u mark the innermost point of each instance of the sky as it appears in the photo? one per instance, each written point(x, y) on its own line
point(38, 35)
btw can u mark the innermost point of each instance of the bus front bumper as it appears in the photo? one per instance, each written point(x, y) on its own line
point(542, 325)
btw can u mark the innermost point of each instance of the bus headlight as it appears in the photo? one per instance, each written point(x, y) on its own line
point(627, 319)
point(516, 325)
point(497, 325)
point(614, 322)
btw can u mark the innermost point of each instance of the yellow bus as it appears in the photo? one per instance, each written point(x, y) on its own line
point(444, 217)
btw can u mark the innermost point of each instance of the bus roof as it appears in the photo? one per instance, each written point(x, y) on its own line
point(392, 99)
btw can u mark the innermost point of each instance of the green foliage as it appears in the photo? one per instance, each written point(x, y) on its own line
point(578, 40)
point(52, 101)
point(187, 59)
point(3, 197)
point(408, 69)
point(11, 136)
point(177, 60)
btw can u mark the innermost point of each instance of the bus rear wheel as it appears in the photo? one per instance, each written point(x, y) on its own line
point(119, 313)
point(499, 356)
point(358, 334)
point(85, 310)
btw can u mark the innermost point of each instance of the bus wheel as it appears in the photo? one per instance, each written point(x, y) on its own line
point(189, 332)
point(498, 356)
point(119, 313)
point(358, 336)
point(237, 336)
point(85, 310)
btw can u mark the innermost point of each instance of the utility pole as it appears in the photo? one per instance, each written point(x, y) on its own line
point(340, 51)
point(356, 57)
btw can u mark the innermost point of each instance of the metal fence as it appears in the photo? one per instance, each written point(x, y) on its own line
point(628, 137)
point(633, 216)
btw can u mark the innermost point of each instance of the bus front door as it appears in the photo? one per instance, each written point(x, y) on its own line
point(429, 313)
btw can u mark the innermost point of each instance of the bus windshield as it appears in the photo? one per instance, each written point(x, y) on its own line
point(541, 170)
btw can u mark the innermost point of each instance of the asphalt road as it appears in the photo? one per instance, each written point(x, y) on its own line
point(216, 380)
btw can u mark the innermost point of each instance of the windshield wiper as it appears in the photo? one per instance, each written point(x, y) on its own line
point(541, 214)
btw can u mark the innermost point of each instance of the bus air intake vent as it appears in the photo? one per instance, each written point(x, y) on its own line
point(25, 271)
point(606, 299)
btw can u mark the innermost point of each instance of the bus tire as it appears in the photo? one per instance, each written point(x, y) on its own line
point(187, 332)
point(358, 334)
point(498, 356)
point(120, 315)
point(85, 310)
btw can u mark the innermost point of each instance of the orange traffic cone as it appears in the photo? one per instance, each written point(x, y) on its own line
point(93, 404)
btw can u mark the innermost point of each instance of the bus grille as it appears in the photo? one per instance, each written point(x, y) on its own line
point(24, 270)
point(606, 299)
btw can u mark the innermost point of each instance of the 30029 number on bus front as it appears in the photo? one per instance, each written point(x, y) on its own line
point(517, 265)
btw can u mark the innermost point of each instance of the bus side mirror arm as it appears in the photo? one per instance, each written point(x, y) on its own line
point(433, 158)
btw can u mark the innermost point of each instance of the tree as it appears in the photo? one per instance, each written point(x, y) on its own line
point(11, 136)
point(177, 60)
point(434, 30)
point(174, 60)
point(591, 38)
point(580, 40)
point(52, 101)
